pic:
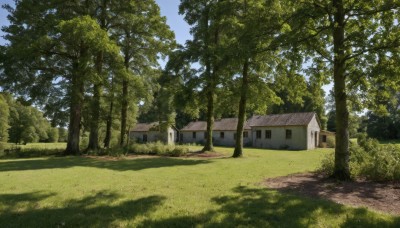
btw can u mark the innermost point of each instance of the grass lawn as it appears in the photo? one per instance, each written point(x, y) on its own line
point(168, 192)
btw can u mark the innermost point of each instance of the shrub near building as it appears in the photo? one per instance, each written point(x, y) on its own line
point(369, 159)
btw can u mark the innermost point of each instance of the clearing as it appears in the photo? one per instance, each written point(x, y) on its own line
point(169, 192)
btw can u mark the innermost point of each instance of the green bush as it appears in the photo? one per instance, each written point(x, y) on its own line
point(179, 151)
point(18, 152)
point(331, 141)
point(158, 148)
point(370, 160)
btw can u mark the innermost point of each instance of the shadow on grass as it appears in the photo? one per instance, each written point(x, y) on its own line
point(252, 207)
point(93, 211)
point(119, 165)
point(381, 196)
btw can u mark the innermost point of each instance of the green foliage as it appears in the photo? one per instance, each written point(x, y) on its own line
point(62, 134)
point(158, 148)
point(4, 116)
point(53, 135)
point(330, 141)
point(27, 123)
point(370, 160)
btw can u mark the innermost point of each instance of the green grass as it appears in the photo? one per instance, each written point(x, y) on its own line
point(168, 192)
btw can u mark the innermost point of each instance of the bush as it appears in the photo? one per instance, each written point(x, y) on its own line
point(179, 151)
point(331, 141)
point(370, 160)
point(158, 148)
point(18, 152)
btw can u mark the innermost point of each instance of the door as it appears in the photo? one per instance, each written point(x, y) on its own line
point(316, 139)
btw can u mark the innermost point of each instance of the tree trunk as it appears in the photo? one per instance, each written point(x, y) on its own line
point(242, 111)
point(210, 120)
point(95, 107)
point(76, 104)
point(107, 139)
point(95, 118)
point(208, 146)
point(341, 169)
point(124, 111)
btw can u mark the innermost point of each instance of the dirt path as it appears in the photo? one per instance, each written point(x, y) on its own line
point(378, 196)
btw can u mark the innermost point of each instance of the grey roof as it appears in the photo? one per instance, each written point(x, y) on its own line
point(143, 127)
point(226, 124)
point(289, 119)
point(195, 126)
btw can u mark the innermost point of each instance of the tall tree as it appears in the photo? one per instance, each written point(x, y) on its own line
point(348, 36)
point(143, 36)
point(255, 24)
point(205, 18)
point(57, 55)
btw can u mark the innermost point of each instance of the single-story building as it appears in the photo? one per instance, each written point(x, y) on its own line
point(324, 139)
point(295, 131)
point(224, 132)
point(153, 132)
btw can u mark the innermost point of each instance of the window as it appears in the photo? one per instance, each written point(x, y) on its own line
point(205, 135)
point(268, 134)
point(194, 135)
point(324, 138)
point(222, 135)
point(258, 134)
point(144, 138)
point(288, 134)
point(245, 134)
point(181, 136)
point(312, 134)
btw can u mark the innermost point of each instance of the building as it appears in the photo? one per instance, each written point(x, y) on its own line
point(327, 139)
point(153, 132)
point(224, 132)
point(293, 131)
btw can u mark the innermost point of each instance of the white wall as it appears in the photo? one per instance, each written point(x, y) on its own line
point(228, 139)
point(312, 129)
point(278, 138)
point(187, 137)
point(154, 136)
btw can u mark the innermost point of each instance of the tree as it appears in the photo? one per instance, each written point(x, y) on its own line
point(55, 52)
point(349, 37)
point(205, 18)
point(26, 123)
point(4, 115)
point(53, 135)
point(142, 35)
point(255, 55)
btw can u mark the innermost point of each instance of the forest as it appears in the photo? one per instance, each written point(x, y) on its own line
point(75, 69)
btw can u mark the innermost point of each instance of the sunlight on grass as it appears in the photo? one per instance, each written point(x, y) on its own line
point(168, 192)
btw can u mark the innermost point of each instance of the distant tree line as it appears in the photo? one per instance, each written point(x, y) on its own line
point(22, 124)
